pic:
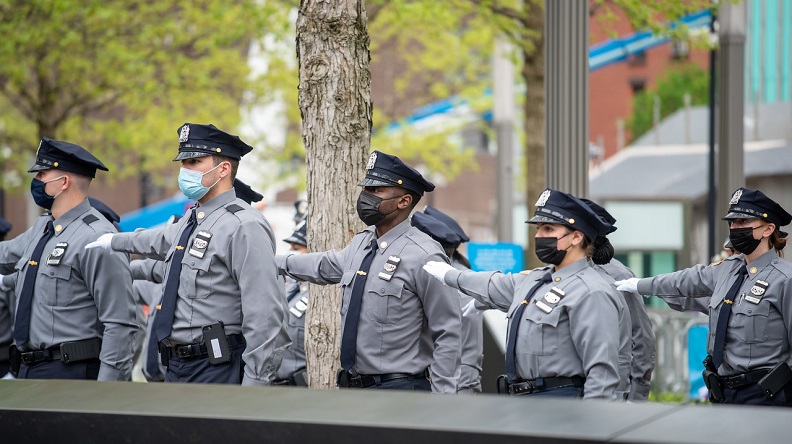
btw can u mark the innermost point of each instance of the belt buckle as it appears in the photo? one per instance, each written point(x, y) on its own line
point(522, 388)
point(27, 358)
point(182, 351)
point(356, 381)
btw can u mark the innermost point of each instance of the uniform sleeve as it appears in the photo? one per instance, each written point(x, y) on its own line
point(150, 270)
point(444, 322)
point(316, 268)
point(109, 281)
point(153, 243)
point(643, 347)
point(684, 290)
point(786, 309)
point(594, 328)
point(11, 251)
point(491, 288)
point(252, 263)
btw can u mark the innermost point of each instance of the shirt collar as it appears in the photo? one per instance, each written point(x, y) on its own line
point(70, 216)
point(388, 238)
point(569, 270)
point(216, 202)
point(760, 263)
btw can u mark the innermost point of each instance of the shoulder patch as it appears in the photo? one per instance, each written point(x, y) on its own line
point(234, 208)
point(546, 267)
point(89, 219)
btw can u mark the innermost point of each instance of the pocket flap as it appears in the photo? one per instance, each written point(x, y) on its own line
point(385, 288)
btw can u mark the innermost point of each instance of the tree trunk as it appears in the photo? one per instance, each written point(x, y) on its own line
point(335, 102)
point(534, 115)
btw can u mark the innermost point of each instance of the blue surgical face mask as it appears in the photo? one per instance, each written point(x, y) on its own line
point(40, 196)
point(190, 182)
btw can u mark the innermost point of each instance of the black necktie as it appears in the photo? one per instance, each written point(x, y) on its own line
point(349, 339)
point(152, 351)
point(25, 304)
point(723, 318)
point(511, 342)
point(163, 321)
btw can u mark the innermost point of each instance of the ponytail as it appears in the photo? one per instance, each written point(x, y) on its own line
point(778, 242)
point(602, 251)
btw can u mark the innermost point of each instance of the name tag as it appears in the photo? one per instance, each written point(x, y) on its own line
point(200, 244)
point(55, 257)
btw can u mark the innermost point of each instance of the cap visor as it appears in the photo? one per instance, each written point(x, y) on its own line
point(183, 155)
point(543, 219)
point(733, 215)
point(38, 167)
point(368, 182)
point(294, 240)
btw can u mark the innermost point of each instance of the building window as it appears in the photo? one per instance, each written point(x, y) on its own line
point(679, 50)
point(637, 84)
point(637, 59)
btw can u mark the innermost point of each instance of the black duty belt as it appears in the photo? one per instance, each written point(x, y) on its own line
point(743, 379)
point(66, 352)
point(544, 384)
point(365, 381)
point(198, 350)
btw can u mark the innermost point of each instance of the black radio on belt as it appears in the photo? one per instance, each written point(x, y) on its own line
point(216, 343)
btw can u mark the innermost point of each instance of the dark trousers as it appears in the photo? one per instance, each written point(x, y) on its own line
point(199, 370)
point(59, 370)
point(5, 366)
point(752, 395)
point(411, 383)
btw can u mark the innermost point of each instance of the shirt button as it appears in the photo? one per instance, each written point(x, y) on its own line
point(539, 318)
point(192, 263)
point(750, 311)
point(52, 273)
point(382, 290)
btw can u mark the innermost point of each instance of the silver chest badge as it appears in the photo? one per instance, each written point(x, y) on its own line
point(389, 268)
point(56, 256)
point(551, 299)
point(757, 291)
point(200, 244)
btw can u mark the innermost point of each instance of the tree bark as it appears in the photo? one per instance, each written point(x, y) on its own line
point(534, 115)
point(335, 103)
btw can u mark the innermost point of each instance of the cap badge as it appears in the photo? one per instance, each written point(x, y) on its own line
point(736, 197)
point(372, 160)
point(543, 198)
point(184, 135)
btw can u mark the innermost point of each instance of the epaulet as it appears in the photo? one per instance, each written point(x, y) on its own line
point(715, 264)
point(547, 267)
point(89, 219)
point(234, 208)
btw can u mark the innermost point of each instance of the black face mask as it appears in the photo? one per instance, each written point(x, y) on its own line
point(742, 239)
point(368, 208)
point(547, 251)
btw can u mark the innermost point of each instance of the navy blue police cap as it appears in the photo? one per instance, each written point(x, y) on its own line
point(448, 220)
point(436, 229)
point(384, 170)
point(603, 214)
point(5, 226)
point(56, 154)
point(106, 211)
point(244, 192)
point(754, 204)
point(205, 140)
point(557, 207)
point(298, 236)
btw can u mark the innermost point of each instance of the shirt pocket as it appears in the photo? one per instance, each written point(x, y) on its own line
point(385, 305)
point(749, 321)
point(194, 277)
point(540, 331)
point(52, 285)
point(346, 287)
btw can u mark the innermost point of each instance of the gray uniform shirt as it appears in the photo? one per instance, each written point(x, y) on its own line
point(235, 281)
point(580, 335)
point(87, 295)
point(7, 307)
point(759, 332)
point(472, 344)
point(643, 337)
point(407, 323)
point(294, 356)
